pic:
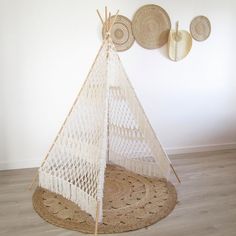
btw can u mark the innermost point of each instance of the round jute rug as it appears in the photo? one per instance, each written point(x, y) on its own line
point(131, 202)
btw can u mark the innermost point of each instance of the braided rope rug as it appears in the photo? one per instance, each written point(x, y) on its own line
point(131, 202)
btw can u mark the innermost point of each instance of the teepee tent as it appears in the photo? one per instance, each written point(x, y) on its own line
point(106, 124)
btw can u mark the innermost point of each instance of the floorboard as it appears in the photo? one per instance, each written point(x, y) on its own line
point(207, 200)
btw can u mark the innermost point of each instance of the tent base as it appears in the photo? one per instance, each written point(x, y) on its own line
point(131, 202)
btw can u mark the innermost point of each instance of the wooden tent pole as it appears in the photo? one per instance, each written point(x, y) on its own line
point(96, 220)
point(100, 17)
point(150, 126)
point(58, 134)
point(112, 23)
point(177, 177)
point(109, 20)
point(106, 25)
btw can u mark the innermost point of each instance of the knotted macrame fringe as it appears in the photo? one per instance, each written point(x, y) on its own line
point(68, 191)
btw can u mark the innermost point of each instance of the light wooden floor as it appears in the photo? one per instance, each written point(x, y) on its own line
point(207, 201)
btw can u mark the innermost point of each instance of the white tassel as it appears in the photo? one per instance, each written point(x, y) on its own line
point(69, 191)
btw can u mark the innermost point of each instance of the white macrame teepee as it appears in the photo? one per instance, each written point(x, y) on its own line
point(105, 124)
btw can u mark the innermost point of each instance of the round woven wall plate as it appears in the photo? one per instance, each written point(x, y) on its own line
point(151, 25)
point(130, 202)
point(121, 33)
point(200, 28)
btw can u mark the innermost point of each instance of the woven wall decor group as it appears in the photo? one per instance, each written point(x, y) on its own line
point(151, 29)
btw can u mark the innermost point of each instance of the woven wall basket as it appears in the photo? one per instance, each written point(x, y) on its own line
point(131, 202)
point(200, 28)
point(121, 33)
point(179, 45)
point(151, 25)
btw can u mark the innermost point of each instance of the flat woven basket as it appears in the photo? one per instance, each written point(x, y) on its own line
point(200, 28)
point(121, 33)
point(151, 26)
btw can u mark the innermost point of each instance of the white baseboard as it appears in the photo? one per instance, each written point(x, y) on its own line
point(9, 165)
point(200, 148)
point(29, 163)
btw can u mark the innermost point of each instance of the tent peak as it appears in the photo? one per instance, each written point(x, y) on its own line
point(107, 21)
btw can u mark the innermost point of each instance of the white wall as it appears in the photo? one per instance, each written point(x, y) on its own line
point(47, 47)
